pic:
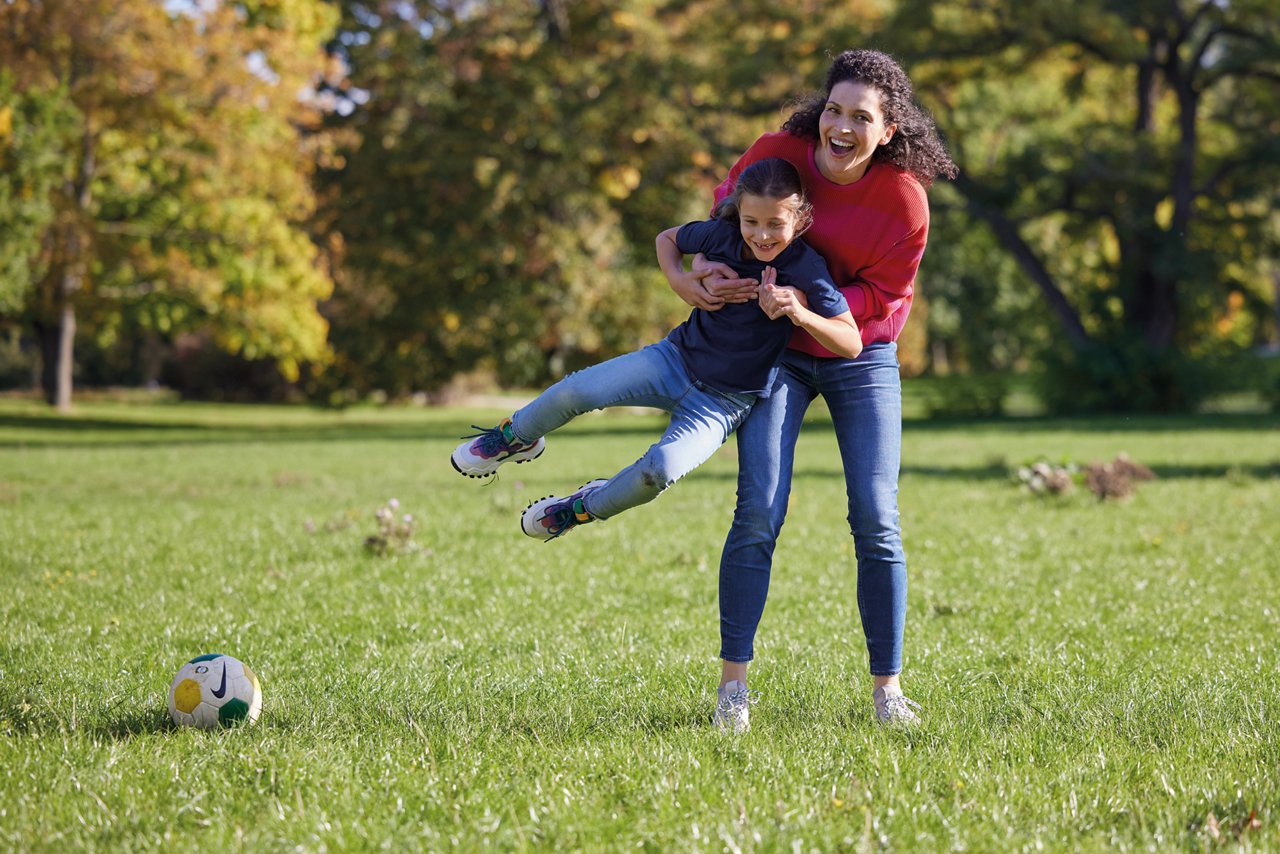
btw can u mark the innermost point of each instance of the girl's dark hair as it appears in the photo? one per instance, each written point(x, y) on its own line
point(915, 147)
point(770, 178)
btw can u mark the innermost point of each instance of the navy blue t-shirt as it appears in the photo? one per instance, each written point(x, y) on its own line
point(737, 347)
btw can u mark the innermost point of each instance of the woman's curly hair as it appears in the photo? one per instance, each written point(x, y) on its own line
point(915, 147)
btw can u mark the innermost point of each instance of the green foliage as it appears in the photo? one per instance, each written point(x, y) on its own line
point(1119, 152)
point(967, 396)
point(1093, 676)
point(186, 186)
point(34, 128)
point(514, 166)
point(983, 315)
point(495, 172)
point(1125, 377)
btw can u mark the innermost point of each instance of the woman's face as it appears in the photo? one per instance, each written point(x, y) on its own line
point(849, 130)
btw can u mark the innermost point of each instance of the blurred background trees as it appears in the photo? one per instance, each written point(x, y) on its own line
point(344, 199)
point(1115, 152)
point(157, 160)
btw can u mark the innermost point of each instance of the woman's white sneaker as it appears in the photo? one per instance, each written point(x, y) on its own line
point(893, 709)
point(733, 707)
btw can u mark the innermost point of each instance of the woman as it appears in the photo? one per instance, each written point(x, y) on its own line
point(865, 152)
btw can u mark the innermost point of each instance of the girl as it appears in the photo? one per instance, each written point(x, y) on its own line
point(707, 372)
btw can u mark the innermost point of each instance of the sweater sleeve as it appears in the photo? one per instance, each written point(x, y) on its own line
point(881, 287)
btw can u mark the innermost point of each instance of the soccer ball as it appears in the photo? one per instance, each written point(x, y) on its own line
point(212, 691)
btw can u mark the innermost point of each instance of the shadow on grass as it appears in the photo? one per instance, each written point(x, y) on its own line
point(23, 720)
point(135, 723)
point(57, 431)
point(77, 433)
point(157, 720)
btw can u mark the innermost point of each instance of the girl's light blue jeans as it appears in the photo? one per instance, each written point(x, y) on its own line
point(702, 418)
point(864, 396)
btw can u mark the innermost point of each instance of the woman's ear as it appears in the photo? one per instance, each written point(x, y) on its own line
point(888, 134)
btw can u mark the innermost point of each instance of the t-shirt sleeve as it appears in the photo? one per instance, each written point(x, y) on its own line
point(815, 280)
point(695, 237)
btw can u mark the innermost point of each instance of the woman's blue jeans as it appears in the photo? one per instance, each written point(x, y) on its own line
point(702, 418)
point(864, 396)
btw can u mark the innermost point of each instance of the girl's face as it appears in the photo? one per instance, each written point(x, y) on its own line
point(850, 129)
point(768, 225)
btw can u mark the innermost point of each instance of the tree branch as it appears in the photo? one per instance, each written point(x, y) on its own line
point(1006, 231)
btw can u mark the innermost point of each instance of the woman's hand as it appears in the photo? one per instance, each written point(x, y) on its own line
point(780, 301)
point(689, 287)
point(720, 281)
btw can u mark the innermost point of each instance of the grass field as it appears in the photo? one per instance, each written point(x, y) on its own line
point(1093, 675)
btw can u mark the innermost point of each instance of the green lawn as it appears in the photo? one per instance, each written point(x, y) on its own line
point(1093, 675)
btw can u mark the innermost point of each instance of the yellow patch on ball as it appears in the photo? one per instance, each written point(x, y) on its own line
point(186, 696)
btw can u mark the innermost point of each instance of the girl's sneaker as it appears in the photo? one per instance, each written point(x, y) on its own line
point(552, 517)
point(893, 709)
point(733, 707)
point(492, 447)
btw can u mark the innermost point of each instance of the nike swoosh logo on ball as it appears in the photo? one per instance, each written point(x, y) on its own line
point(222, 689)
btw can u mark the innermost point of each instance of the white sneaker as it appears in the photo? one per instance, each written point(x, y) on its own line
point(492, 447)
point(733, 707)
point(892, 708)
point(552, 517)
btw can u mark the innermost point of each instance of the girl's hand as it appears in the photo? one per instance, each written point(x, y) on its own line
point(780, 301)
point(720, 281)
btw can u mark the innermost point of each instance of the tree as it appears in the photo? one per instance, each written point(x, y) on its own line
point(1117, 151)
point(515, 161)
point(184, 186)
point(32, 129)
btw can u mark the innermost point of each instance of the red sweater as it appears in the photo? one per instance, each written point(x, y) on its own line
point(871, 232)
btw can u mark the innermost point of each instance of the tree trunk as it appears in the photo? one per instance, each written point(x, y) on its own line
point(57, 350)
point(1153, 313)
point(151, 358)
point(66, 356)
point(59, 353)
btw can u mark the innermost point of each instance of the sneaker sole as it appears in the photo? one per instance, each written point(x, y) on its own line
point(496, 464)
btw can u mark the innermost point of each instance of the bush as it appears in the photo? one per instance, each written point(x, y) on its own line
point(198, 370)
point(1264, 375)
point(1128, 377)
point(966, 396)
point(17, 364)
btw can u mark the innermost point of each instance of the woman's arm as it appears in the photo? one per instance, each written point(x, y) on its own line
point(688, 286)
point(839, 334)
point(721, 281)
point(882, 286)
